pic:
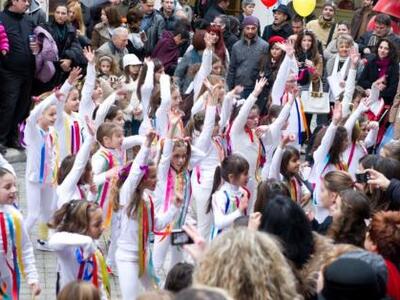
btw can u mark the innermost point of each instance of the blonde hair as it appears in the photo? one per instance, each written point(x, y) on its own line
point(155, 295)
point(75, 6)
point(249, 265)
point(79, 290)
point(344, 39)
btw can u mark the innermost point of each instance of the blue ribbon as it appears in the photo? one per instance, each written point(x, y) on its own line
point(298, 121)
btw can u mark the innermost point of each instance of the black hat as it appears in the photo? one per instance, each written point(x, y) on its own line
point(284, 9)
point(352, 279)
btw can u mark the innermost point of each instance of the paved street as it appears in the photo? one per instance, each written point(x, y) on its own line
point(45, 261)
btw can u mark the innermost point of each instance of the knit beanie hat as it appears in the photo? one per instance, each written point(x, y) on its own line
point(349, 278)
point(250, 21)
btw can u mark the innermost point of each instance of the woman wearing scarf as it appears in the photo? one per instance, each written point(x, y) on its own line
point(383, 63)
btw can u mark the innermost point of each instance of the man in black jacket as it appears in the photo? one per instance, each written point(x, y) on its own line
point(16, 72)
point(281, 25)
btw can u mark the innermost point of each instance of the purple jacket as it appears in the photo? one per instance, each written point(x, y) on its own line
point(45, 68)
point(167, 51)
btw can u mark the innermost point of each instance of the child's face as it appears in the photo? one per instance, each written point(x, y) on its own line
point(293, 166)
point(151, 179)
point(97, 92)
point(252, 119)
point(72, 103)
point(119, 119)
point(95, 224)
point(342, 29)
point(176, 99)
point(217, 68)
point(8, 189)
point(240, 180)
point(345, 144)
point(49, 116)
point(116, 139)
point(248, 10)
point(134, 70)
point(363, 131)
point(327, 198)
point(344, 50)
point(179, 158)
point(105, 67)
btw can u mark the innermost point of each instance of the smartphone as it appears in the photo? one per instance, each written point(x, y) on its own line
point(180, 237)
point(362, 177)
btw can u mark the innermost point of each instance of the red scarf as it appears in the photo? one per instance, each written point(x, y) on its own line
point(383, 66)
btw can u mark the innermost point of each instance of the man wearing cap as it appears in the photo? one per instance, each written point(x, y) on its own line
point(245, 57)
point(281, 25)
point(324, 27)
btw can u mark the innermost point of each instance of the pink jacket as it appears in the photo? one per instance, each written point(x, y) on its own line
point(4, 45)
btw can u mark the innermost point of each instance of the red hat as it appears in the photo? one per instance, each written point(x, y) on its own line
point(275, 39)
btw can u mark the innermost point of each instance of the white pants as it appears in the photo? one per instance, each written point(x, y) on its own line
point(160, 254)
point(115, 231)
point(129, 280)
point(201, 195)
point(40, 200)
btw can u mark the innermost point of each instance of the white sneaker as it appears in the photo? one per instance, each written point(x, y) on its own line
point(43, 246)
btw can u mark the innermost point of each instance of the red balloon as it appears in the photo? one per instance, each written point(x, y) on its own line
point(269, 3)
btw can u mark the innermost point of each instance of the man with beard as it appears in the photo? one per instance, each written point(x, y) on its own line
point(324, 26)
point(245, 57)
point(281, 25)
point(361, 18)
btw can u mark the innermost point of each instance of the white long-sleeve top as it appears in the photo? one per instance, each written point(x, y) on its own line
point(320, 168)
point(87, 105)
point(146, 91)
point(212, 146)
point(103, 109)
point(69, 189)
point(349, 92)
point(225, 206)
point(162, 121)
point(128, 241)
point(296, 188)
point(241, 142)
point(272, 137)
point(358, 149)
point(28, 257)
point(162, 176)
point(65, 245)
point(36, 138)
point(202, 73)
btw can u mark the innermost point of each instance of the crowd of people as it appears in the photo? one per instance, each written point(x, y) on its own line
point(215, 158)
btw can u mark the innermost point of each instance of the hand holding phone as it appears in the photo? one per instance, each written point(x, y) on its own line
point(180, 237)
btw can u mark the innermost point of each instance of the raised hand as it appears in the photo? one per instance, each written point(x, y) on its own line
point(254, 221)
point(260, 130)
point(364, 104)
point(74, 75)
point(287, 139)
point(198, 248)
point(354, 57)
point(90, 126)
point(259, 86)
point(236, 92)
point(150, 136)
point(378, 179)
point(89, 54)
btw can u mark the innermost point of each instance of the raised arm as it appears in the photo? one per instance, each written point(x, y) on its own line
point(204, 140)
point(147, 86)
point(137, 171)
point(162, 112)
point(205, 67)
point(103, 109)
point(350, 82)
point(351, 121)
point(87, 105)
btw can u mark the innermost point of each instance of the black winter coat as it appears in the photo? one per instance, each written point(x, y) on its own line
point(371, 73)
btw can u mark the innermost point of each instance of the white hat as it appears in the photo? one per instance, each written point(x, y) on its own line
point(131, 60)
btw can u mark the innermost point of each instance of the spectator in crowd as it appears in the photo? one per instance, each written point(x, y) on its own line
point(116, 48)
point(244, 66)
point(36, 13)
point(297, 24)
point(383, 237)
point(167, 48)
point(383, 29)
point(102, 32)
point(324, 27)
point(306, 251)
point(75, 17)
point(217, 39)
point(168, 12)
point(384, 63)
point(343, 28)
point(244, 278)
point(219, 8)
point(361, 18)
point(79, 290)
point(247, 9)
point(152, 25)
point(281, 25)
point(179, 277)
point(224, 22)
point(136, 37)
point(69, 49)
point(16, 71)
